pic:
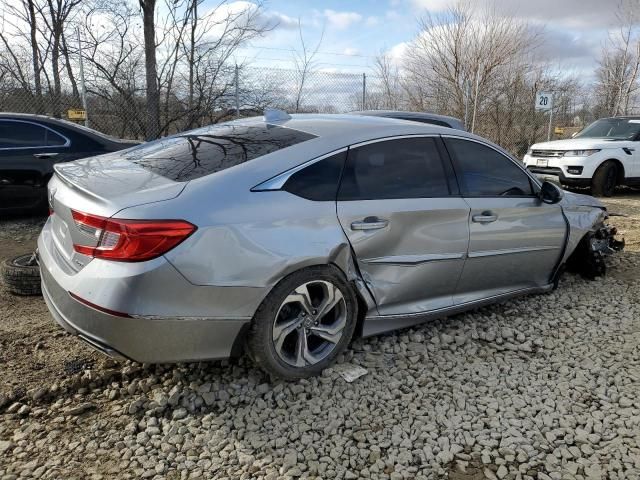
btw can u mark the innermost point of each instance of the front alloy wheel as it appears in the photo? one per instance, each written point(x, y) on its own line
point(304, 323)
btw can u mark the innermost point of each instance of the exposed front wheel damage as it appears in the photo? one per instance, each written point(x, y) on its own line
point(588, 257)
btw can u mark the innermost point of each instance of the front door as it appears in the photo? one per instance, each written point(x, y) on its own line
point(409, 233)
point(515, 240)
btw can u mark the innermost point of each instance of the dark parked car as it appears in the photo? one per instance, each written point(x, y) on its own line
point(423, 117)
point(29, 147)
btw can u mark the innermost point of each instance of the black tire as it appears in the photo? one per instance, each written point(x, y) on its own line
point(260, 341)
point(604, 181)
point(21, 275)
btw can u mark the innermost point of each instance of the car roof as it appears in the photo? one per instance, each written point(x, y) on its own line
point(406, 114)
point(53, 122)
point(355, 127)
point(622, 117)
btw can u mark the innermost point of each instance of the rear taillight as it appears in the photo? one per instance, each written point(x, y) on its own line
point(130, 240)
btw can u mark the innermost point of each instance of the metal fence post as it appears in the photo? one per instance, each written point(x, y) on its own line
point(237, 82)
point(83, 90)
point(364, 91)
point(550, 121)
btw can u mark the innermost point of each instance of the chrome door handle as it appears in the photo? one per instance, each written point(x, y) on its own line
point(45, 155)
point(485, 217)
point(370, 223)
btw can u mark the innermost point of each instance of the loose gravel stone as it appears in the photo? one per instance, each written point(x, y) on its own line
point(537, 388)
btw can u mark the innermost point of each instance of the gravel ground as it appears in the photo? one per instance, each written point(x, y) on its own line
point(542, 387)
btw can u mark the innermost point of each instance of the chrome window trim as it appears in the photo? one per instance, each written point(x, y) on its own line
point(66, 144)
point(395, 137)
point(277, 182)
point(506, 155)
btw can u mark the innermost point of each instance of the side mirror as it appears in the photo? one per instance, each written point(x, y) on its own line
point(550, 193)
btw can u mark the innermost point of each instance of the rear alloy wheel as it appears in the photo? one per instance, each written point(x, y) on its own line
point(21, 275)
point(605, 179)
point(307, 320)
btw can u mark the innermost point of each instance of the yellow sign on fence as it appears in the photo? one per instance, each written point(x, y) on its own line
point(559, 130)
point(75, 114)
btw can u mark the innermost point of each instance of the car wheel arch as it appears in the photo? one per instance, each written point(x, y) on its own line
point(352, 277)
point(620, 168)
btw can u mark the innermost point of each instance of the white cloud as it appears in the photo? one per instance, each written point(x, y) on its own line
point(350, 51)
point(397, 52)
point(282, 20)
point(372, 21)
point(241, 9)
point(341, 20)
point(433, 5)
point(570, 13)
point(393, 15)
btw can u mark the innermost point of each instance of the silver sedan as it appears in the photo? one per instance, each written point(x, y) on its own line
point(289, 236)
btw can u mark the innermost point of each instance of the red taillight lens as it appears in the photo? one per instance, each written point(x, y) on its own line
point(130, 240)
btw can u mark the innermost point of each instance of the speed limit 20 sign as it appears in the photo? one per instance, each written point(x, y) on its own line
point(544, 100)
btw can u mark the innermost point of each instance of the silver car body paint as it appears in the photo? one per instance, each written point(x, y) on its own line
point(196, 301)
point(583, 213)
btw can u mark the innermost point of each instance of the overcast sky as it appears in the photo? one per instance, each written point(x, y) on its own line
point(357, 30)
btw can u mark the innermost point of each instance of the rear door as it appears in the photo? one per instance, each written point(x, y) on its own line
point(515, 239)
point(398, 205)
point(27, 154)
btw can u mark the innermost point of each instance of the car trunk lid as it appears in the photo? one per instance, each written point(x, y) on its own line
point(100, 186)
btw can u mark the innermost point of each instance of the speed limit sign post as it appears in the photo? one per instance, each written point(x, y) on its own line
point(544, 102)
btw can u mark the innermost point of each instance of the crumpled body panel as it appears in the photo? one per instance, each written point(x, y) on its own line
point(588, 236)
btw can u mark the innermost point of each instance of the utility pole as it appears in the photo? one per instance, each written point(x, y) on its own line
point(237, 93)
point(467, 96)
point(83, 90)
point(475, 100)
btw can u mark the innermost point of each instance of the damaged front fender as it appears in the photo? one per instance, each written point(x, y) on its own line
point(590, 238)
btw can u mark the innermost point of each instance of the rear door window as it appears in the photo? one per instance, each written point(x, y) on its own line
point(212, 149)
point(401, 168)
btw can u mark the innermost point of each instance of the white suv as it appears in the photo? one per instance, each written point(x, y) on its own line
point(602, 156)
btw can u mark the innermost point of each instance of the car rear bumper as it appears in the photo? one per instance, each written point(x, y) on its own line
point(133, 334)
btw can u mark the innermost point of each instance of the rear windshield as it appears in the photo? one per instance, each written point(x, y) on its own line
point(208, 150)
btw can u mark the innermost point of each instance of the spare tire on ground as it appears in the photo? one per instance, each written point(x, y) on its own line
point(21, 275)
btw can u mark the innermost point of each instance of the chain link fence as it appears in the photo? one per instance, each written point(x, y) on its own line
point(246, 91)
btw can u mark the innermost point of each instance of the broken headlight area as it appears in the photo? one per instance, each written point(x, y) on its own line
point(588, 257)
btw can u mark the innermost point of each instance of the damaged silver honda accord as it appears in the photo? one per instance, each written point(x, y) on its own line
point(290, 235)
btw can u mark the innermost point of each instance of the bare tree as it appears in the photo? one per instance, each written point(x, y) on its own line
point(463, 47)
point(55, 16)
point(303, 61)
point(387, 73)
point(619, 63)
point(30, 15)
point(148, 8)
point(114, 63)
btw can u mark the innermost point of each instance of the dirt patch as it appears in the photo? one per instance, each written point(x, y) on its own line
point(34, 350)
point(628, 225)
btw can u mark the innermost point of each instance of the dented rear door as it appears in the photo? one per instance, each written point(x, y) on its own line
point(407, 228)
